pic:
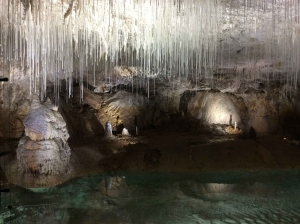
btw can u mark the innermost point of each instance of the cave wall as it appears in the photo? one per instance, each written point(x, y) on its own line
point(14, 101)
point(268, 107)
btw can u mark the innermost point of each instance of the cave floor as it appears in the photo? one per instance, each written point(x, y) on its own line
point(159, 150)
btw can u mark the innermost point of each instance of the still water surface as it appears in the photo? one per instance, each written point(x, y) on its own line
point(155, 198)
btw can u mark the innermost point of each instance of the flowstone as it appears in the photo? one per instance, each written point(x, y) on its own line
point(43, 152)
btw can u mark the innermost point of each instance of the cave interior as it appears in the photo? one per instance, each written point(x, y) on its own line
point(91, 87)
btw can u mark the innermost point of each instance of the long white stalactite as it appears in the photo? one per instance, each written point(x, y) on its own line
point(175, 38)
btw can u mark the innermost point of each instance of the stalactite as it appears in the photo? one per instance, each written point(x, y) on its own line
point(180, 38)
point(69, 10)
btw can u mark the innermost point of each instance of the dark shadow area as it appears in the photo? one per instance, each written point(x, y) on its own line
point(82, 124)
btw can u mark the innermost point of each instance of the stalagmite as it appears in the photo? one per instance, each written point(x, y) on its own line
point(44, 149)
point(125, 132)
point(108, 130)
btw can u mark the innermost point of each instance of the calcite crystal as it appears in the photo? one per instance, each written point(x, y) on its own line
point(44, 148)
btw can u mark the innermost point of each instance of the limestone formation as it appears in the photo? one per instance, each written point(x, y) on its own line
point(120, 75)
point(49, 157)
point(108, 130)
point(42, 123)
point(114, 187)
point(44, 149)
point(14, 101)
point(123, 106)
point(214, 108)
point(125, 132)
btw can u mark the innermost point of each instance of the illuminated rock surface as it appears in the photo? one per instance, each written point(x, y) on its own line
point(44, 149)
point(125, 132)
point(214, 108)
point(43, 123)
point(108, 130)
point(43, 154)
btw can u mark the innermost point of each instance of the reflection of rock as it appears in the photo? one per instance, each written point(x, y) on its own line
point(46, 214)
point(151, 158)
point(206, 191)
point(114, 187)
point(44, 150)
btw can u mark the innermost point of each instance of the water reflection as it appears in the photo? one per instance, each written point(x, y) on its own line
point(232, 197)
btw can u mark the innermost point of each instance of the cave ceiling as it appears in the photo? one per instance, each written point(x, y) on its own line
point(249, 39)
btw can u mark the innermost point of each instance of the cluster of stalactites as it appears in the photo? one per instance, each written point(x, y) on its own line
point(50, 36)
point(70, 39)
point(266, 44)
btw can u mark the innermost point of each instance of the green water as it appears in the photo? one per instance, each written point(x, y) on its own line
point(231, 197)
